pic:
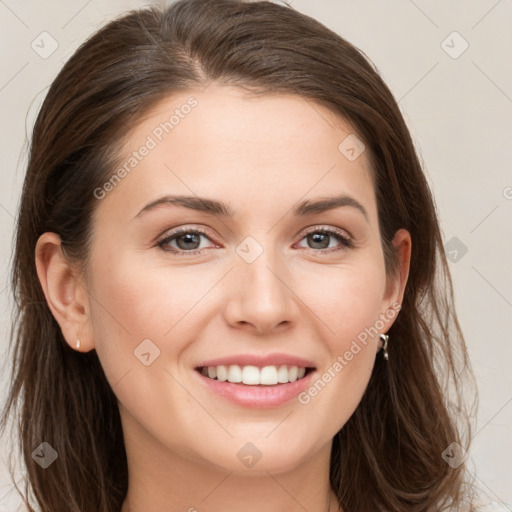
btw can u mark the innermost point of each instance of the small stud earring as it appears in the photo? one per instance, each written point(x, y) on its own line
point(77, 343)
point(384, 338)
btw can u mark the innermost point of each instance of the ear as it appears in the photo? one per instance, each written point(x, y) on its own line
point(395, 289)
point(65, 294)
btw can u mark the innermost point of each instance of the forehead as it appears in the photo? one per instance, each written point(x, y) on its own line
point(224, 142)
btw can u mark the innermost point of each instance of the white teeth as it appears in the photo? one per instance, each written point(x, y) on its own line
point(282, 375)
point(268, 375)
point(234, 373)
point(253, 376)
point(222, 373)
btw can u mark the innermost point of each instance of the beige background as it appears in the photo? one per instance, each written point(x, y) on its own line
point(458, 105)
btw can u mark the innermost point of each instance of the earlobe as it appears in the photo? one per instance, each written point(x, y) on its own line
point(65, 296)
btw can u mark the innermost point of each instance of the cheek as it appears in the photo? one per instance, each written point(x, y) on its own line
point(128, 309)
point(347, 303)
point(345, 299)
point(135, 303)
point(144, 302)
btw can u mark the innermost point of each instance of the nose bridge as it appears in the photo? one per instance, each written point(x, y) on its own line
point(261, 280)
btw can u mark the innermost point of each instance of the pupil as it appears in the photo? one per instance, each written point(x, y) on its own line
point(316, 238)
point(189, 238)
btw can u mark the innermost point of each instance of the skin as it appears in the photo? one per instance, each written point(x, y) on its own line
point(260, 155)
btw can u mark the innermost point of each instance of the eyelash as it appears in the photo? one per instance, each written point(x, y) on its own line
point(345, 240)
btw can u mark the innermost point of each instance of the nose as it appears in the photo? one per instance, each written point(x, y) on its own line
point(261, 297)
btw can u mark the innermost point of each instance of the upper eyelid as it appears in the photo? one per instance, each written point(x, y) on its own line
point(206, 231)
point(321, 227)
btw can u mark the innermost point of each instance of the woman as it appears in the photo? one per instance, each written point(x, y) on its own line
point(304, 352)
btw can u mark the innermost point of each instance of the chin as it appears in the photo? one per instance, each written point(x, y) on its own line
point(258, 457)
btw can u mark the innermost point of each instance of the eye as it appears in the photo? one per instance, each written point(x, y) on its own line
point(320, 238)
point(186, 239)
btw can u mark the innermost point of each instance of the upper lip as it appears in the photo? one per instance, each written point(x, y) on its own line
point(259, 361)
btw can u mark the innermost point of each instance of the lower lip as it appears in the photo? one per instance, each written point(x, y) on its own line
point(258, 397)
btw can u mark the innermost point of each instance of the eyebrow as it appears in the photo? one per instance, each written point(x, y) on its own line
point(213, 207)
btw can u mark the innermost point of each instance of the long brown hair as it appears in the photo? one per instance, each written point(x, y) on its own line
point(389, 455)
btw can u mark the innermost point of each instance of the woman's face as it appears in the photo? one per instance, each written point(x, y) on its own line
point(251, 281)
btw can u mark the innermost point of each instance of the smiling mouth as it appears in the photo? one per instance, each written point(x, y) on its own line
point(254, 376)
